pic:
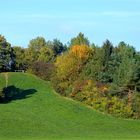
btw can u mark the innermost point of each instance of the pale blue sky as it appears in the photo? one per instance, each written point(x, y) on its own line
point(117, 20)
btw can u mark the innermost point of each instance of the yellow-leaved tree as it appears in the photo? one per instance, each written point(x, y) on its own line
point(69, 66)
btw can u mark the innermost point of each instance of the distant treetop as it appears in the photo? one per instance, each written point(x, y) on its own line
point(79, 40)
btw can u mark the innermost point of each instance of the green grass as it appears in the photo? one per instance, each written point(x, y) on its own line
point(44, 115)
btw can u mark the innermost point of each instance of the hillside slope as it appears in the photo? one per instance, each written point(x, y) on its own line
point(37, 112)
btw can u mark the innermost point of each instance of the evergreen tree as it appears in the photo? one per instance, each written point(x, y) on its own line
point(79, 40)
point(107, 52)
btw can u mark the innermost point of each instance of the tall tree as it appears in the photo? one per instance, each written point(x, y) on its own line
point(126, 70)
point(6, 55)
point(107, 51)
point(58, 47)
point(45, 54)
point(94, 65)
point(79, 40)
point(32, 53)
point(69, 66)
point(20, 61)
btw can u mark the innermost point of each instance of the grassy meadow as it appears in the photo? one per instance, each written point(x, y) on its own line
point(36, 112)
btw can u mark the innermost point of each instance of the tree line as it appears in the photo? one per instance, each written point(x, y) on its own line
point(105, 77)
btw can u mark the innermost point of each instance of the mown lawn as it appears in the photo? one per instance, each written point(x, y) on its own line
point(36, 112)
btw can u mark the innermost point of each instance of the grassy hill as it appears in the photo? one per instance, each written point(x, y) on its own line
point(37, 112)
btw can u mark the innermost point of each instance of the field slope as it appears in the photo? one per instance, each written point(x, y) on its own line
point(37, 112)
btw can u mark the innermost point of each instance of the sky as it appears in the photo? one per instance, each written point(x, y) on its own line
point(116, 20)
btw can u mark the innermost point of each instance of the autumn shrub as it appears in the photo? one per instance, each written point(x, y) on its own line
point(95, 95)
point(90, 93)
point(119, 107)
point(42, 69)
point(136, 105)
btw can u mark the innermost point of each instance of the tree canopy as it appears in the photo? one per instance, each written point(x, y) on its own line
point(105, 77)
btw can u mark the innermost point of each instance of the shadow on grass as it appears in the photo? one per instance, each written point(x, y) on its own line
point(12, 93)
